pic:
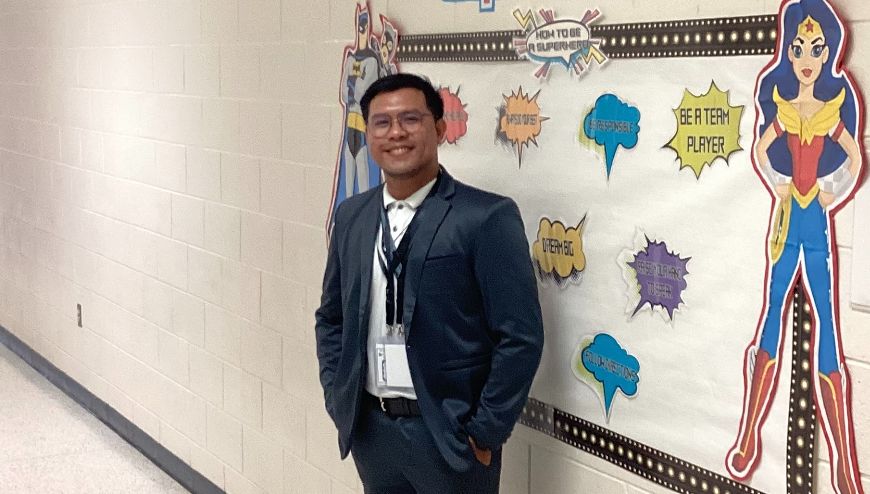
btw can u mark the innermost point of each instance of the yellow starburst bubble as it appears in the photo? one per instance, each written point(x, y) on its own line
point(558, 251)
point(708, 127)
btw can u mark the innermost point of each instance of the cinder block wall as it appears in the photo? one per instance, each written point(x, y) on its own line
point(167, 165)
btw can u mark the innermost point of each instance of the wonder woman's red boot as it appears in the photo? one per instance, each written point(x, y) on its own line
point(838, 430)
point(743, 455)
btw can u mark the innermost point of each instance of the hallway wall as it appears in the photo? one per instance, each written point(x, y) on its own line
point(167, 165)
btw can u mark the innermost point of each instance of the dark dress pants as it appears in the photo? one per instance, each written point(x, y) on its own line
point(398, 456)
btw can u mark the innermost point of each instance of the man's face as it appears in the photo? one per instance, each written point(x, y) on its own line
point(403, 152)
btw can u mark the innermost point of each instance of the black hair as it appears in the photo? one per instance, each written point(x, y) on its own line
point(394, 82)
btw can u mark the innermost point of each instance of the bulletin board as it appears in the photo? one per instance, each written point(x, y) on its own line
point(655, 228)
point(616, 203)
point(860, 298)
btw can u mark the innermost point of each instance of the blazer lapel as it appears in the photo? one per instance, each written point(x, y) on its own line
point(368, 232)
point(432, 214)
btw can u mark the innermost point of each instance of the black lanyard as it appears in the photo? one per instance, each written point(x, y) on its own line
point(393, 261)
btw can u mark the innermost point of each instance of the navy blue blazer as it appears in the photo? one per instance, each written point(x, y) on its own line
point(473, 322)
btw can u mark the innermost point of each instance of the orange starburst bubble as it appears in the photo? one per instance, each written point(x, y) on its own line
point(520, 121)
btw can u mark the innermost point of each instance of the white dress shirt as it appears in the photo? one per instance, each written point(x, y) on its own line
point(399, 214)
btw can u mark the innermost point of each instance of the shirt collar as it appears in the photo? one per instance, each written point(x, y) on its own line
point(414, 200)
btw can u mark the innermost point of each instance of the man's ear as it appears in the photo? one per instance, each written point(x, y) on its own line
point(441, 129)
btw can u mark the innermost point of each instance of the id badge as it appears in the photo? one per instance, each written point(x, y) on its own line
point(392, 363)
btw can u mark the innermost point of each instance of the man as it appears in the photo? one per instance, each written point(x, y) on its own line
point(429, 330)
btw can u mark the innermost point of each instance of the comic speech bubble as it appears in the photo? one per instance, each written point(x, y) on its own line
point(566, 42)
point(708, 127)
point(612, 123)
point(558, 251)
point(607, 367)
point(484, 5)
point(455, 115)
point(661, 277)
point(520, 121)
point(559, 42)
point(584, 139)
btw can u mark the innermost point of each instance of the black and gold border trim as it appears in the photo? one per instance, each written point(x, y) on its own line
point(801, 402)
point(751, 35)
point(713, 37)
point(638, 458)
point(494, 46)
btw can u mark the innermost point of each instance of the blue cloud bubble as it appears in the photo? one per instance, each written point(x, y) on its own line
point(612, 366)
point(612, 123)
point(485, 5)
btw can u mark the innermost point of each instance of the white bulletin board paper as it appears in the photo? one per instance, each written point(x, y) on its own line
point(860, 295)
point(688, 398)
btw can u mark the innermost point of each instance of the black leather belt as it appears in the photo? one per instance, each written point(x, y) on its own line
point(395, 407)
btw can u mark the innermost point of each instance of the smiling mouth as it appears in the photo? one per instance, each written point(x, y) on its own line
point(807, 72)
point(399, 150)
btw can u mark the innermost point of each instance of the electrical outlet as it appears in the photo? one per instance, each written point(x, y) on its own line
point(79, 314)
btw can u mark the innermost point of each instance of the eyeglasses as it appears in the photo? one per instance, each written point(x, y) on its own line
point(410, 121)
